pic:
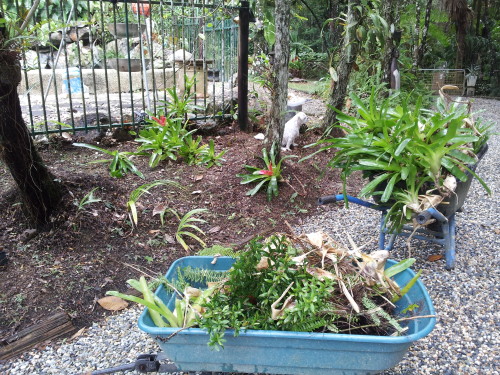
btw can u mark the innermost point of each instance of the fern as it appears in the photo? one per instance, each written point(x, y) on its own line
point(200, 275)
point(310, 326)
point(376, 312)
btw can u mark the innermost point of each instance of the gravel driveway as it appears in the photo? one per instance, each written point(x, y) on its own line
point(466, 339)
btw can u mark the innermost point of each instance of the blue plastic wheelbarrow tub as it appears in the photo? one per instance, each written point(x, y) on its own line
point(282, 352)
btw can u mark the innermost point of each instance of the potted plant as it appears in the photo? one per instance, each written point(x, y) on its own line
point(413, 158)
point(472, 74)
point(288, 305)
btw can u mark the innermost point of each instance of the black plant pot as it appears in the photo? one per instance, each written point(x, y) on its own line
point(455, 202)
point(449, 205)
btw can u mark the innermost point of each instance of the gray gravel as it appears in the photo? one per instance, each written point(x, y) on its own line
point(466, 339)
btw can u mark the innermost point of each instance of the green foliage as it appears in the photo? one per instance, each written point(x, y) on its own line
point(278, 285)
point(166, 136)
point(270, 176)
point(89, 198)
point(161, 138)
point(120, 164)
point(145, 189)
point(210, 157)
point(200, 275)
point(185, 310)
point(405, 152)
point(191, 149)
point(218, 250)
point(186, 226)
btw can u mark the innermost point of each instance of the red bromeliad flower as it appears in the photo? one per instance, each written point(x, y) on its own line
point(161, 121)
point(267, 172)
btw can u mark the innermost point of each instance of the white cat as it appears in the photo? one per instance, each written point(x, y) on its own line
point(291, 131)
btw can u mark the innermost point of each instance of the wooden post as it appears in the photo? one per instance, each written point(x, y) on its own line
point(244, 29)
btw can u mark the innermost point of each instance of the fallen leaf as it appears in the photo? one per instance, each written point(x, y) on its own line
point(263, 264)
point(320, 273)
point(214, 230)
point(434, 257)
point(159, 208)
point(112, 303)
point(315, 239)
point(198, 177)
point(154, 231)
point(196, 192)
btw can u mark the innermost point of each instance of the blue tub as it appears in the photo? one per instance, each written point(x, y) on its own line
point(281, 352)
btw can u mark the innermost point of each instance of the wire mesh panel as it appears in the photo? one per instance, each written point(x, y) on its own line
point(434, 79)
point(102, 64)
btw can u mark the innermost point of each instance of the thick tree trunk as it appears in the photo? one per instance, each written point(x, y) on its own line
point(280, 74)
point(348, 56)
point(39, 191)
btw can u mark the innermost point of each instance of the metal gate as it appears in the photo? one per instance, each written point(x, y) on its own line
point(100, 64)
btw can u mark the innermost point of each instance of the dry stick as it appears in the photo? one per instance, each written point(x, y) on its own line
point(416, 317)
point(291, 187)
point(302, 185)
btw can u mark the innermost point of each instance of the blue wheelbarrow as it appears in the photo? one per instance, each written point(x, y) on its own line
point(441, 232)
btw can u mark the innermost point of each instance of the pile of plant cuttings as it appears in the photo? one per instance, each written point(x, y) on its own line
point(309, 283)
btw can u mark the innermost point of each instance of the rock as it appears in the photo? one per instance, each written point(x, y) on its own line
point(180, 56)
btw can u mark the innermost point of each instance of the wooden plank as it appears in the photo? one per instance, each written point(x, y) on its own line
point(53, 327)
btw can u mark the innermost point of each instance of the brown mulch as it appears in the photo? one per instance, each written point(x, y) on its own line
point(86, 252)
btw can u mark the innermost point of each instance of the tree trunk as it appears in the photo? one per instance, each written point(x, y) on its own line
point(348, 56)
point(279, 92)
point(39, 191)
point(387, 14)
point(416, 36)
point(423, 43)
point(478, 16)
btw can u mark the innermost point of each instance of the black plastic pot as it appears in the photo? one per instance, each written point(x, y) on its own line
point(451, 204)
point(455, 202)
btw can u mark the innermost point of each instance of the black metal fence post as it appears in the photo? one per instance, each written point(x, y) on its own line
point(244, 22)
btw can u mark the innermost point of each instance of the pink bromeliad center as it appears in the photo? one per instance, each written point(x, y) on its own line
point(267, 172)
point(161, 121)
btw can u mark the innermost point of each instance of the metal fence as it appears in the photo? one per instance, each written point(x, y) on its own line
point(434, 79)
point(101, 64)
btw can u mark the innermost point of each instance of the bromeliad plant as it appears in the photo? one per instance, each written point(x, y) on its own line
point(412, 157)
point(120, 163)
point(167, 138)
point(186, 309)
point(271, 175)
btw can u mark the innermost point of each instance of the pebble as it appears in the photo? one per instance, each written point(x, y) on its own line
point(466, 339)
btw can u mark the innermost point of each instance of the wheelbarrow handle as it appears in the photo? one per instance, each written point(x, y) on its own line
point(424, 216)
point(340, 197)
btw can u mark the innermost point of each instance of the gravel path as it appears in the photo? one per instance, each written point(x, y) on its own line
point(466, 339)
